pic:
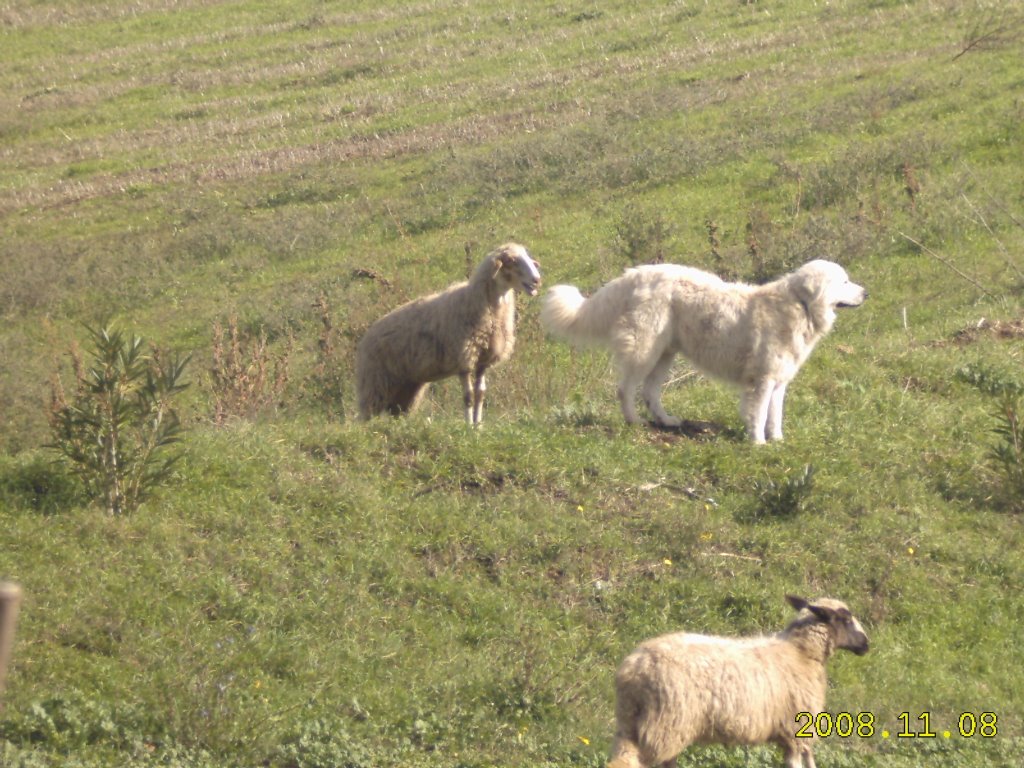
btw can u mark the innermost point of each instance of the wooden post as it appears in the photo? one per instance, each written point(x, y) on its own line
point(10, 600)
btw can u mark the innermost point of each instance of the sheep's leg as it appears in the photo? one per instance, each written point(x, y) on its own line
point(479, 388)
point(625, 754)
point(405, 398)
point(652, 390)
point(797, 755)
point(773, 425)
point(754, 407)
point(468, 395)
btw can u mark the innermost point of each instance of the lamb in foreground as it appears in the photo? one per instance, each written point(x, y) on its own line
point(682, 689)
point(462, 331)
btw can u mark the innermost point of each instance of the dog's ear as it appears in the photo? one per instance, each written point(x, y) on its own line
point(807, 285)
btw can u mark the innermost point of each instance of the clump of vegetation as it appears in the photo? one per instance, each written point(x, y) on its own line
point(116, 428)
point(246, 377)
point(328, 377)
point(643, 237)
point(318, 743)
point(784, 498)
point(1007, 455)
point(577, 412)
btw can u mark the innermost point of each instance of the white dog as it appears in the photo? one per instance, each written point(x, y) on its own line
point(754, 336)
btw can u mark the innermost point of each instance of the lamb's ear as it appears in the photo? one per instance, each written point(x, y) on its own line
point(822, 614)
point(503, 259)
point(798, 603)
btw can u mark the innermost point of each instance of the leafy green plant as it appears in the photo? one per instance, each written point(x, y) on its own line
point(1008, 395)
point(787, 497)
point(116, 427)
point(320, 743)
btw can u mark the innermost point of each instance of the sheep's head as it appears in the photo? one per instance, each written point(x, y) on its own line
point(515, 269)
point(846, 630)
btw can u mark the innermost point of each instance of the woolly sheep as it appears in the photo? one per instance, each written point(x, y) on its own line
point(463, 331)
point(682, 689)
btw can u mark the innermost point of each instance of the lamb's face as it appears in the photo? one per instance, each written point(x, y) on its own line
point(848, 632)
point(518, 270)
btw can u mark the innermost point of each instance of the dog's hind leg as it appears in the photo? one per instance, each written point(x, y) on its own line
point(754, 408)
point(627, 392)
point(632, 374)
point(652, 390)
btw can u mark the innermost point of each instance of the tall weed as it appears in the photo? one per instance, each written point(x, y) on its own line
point(1007, 454)
point(117, 425)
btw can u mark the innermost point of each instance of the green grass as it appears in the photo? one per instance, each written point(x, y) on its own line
point(310, 591)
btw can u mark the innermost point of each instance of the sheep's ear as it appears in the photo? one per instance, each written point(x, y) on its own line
point(503, 259)
point(798, 603)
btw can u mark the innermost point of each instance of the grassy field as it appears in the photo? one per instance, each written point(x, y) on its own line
point(310, 591)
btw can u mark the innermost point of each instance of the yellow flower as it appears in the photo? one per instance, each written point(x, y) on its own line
point(910, 550)
point(579, 507)
point(666, 561)
point(707, 536)
point(584, 740)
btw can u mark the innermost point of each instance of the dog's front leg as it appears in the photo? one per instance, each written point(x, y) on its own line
point(754, 408)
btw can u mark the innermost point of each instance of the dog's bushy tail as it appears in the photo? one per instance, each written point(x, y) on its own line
point(568, 315)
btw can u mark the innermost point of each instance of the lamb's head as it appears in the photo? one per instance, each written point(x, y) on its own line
point(844, 629)
point(515, 269)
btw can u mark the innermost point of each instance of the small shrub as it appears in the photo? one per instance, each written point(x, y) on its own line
point(643, 237)
point(1008, 395)
point(246, 378)
point(577, 413)
point(320, 743)
point(327, 380)
point(73, 720)
point(784, 498)
point(117, 426)
point(36, 483)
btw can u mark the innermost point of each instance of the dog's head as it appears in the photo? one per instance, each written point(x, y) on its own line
point(516, 269)
point(825, 284)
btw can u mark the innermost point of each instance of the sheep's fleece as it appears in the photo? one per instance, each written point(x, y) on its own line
point(682, 689)
point(461, 331)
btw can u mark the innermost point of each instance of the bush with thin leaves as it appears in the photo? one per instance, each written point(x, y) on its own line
point(116, 428)
point(1007, 455)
